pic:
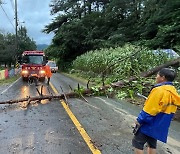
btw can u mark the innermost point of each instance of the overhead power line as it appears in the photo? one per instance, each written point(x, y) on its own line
point(6, 15)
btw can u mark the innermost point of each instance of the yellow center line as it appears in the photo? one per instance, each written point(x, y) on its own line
point(79, 127)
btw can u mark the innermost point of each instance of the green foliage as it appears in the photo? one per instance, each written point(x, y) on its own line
point(79, 90)
point(177, 48)
point(121, 94)
point(7, 46)
point(159, 23)
point(177, 81)
point(97, 91)
point(119, 63)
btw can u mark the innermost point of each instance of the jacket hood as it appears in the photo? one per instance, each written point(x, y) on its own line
point(175, 95)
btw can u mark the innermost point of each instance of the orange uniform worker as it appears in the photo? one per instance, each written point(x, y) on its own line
point(48, 72)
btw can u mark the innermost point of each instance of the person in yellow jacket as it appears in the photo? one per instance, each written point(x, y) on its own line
point(48, 73)
point(154, 120)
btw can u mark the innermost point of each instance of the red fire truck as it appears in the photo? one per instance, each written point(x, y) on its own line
point(33, 63)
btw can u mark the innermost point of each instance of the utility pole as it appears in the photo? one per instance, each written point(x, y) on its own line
point(16, 27)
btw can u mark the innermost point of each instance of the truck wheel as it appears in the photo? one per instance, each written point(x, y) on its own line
point(25, 78)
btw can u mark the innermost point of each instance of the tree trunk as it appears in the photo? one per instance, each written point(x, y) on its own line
point(175, 63)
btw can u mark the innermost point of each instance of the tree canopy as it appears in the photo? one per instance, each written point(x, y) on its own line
point(84, 25)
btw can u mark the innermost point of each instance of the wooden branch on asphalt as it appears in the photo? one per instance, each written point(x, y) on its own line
point(84, 98)
point(78, 86)
point(49, 97)
point(64, 94)
point(38, 91)
point(29, 99)
point(88, 83)
point(70, 88)
point(41, 90)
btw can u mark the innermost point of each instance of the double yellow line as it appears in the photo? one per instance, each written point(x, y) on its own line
point(79, 127)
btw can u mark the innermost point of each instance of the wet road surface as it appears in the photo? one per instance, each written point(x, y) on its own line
point(46, 127)
point(41, 128)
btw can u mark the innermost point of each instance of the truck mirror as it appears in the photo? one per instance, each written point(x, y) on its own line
point(44, 62)
point(19, 59)
point(25, 59)
point(46, 59)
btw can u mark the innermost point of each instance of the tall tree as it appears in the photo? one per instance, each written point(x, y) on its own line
point(7, 52)
point(160, 21)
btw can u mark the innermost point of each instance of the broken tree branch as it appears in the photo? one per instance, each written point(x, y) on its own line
point(64, 94)
point(175, 62)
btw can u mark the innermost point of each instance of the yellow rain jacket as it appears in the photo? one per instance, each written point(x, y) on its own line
point(158, 111)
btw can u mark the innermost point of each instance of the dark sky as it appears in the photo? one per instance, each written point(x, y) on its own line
point(33, 14)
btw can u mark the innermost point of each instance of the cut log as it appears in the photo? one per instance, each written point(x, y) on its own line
point(35, 98)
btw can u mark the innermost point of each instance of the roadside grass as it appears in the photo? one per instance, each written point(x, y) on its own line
point(9, 80)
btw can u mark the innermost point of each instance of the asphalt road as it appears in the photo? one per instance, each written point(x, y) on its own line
point(79, 127)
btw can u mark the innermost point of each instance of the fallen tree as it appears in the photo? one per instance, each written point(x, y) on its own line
point(88, 91)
